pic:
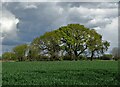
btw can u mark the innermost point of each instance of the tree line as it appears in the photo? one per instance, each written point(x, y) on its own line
point(71, 42)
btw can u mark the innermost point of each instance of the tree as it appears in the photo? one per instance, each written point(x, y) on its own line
point(48, 44)
point(96, 45)
point(20, 51)
point(77, 39)
point(74, 40)
point(33, 53)
point(9, 56)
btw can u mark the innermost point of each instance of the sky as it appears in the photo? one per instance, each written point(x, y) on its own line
point(21, 22)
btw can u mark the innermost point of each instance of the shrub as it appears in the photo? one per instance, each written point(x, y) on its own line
point(106, 57)
point(61, 58)
point(67, 57)
point(44, 58)
point(81, 57)
point(9, 56)
point(116, 58)
point(54, 57)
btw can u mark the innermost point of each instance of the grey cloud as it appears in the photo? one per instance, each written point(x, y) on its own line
point(6, 48)
point(102, 5)
point(11, 42)
point(34, 22)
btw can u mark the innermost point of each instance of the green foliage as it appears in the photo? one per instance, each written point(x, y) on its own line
point(78, 38)
point(116, 58)
point(56, 73)
point(32, 53)
point(67, 57)
point(9, 56)
point(48, 43)
point(106, 57)
point(96, 44)
point(74, 40)
point(44, 58)
point(19, 51)
point(81, 57)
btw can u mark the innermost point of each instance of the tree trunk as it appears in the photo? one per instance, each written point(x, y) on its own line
point(76, 55)
point(70, 53)
point(92, 55)
point(18, 58)
point(82, 51)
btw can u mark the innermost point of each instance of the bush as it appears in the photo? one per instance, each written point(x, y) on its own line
point(54, 57)
point(44, 58)
point(9, 56)
point(106, 57)
point(116, 58)
point(67, 57)
point(61, 58)
point(82, 57)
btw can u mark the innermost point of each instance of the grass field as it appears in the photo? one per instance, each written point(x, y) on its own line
point(60, 73)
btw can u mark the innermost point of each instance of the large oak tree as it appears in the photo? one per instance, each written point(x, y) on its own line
point(73, 39)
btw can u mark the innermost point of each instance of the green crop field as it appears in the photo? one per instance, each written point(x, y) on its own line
point(60, 73)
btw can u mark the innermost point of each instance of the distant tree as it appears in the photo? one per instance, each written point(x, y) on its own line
point(9, 56)
point(33, 53)
point(20, 51)
point(48, 44)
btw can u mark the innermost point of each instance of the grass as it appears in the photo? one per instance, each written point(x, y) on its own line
point(60, 73)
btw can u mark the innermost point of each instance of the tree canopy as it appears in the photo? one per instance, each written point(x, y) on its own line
point(9, 56)
point(74, 40)
point(20, 51)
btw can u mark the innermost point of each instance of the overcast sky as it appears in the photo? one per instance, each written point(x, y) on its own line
point(21, 22)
